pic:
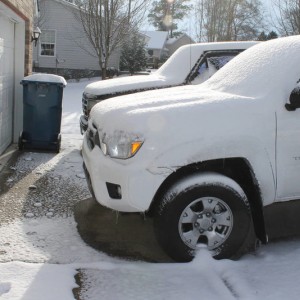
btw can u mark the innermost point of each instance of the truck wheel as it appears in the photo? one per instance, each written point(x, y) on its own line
point(208, 209)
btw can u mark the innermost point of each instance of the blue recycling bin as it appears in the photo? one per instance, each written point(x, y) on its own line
point(42, 110)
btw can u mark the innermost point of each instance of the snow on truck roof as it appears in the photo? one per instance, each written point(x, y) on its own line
point(184, 58)
point(270, 67)
point(173, 72)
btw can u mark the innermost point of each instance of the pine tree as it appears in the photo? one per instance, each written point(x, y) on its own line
point(272, 35)
point(133, 55)
point(265, 37)
point(262, 36)
point(165, 14)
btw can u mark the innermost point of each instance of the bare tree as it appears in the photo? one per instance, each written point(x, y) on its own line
point(287, 16)
point(226, 20)
point(108, 23)
point(41, 18)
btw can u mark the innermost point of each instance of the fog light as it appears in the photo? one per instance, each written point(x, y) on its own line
point(114, 190)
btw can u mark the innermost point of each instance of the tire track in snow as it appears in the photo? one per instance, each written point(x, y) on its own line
point(225, 276)
point(235, 282)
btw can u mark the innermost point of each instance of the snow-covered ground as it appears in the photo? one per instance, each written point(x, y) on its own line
point(41, 251)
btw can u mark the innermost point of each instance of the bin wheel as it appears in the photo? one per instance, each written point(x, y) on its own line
point(20, 142)
point(58, 144)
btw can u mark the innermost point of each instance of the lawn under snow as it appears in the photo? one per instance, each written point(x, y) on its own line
point(41, 251)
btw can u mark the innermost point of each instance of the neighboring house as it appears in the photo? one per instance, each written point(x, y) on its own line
point(63, 47)
point(174, 43)
point(159, 46)
point(15, 62)
point(156, 43)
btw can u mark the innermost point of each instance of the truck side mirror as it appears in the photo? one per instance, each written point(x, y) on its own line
point(294, 100)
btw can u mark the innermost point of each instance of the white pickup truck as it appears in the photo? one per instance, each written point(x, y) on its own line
point(191, 64)
point(215, 164)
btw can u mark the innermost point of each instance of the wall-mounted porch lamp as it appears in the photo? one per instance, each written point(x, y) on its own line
point(35, 35)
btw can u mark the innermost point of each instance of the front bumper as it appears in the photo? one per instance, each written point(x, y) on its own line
point(137, 185)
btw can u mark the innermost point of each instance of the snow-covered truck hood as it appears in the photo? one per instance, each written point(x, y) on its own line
point(173, 72)
point(183, 125)
point(158, 109)
point(130, 83)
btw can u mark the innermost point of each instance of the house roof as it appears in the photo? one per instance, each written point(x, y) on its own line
point(157, 39)
point(171, 41)
point(70, 3)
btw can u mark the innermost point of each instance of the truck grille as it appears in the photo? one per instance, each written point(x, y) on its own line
point(93, 137)
point(85, 105)
point(89, 102)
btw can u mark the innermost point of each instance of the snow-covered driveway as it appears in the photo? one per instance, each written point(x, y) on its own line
point(41, 251)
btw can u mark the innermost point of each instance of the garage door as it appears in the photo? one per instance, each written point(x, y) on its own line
point(6, 81)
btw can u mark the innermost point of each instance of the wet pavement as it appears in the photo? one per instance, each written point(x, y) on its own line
point(123, 235)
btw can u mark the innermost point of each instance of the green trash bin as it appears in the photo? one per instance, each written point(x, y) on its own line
point(42, 110)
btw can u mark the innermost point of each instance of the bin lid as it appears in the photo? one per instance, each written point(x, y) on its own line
point(47, 78)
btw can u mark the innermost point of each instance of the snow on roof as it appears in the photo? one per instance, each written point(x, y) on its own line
point(157, 39)
point(46, 78)
point(67, 2)
point(172, 40)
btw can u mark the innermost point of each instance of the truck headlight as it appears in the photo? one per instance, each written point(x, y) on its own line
point(120, 144)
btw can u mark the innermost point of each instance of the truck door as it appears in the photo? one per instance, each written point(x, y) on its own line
point(288, 154)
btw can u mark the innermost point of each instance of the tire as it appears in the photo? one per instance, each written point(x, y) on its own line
point(209, 209)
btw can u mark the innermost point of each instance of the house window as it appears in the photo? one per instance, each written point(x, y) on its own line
point(47, 41)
